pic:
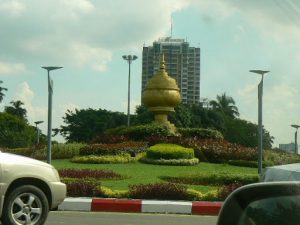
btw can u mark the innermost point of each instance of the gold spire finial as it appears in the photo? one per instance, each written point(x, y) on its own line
point(162, 62)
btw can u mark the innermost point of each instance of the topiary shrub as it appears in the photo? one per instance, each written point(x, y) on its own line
point(169, 151)
point(161, 191)
point(202, 133)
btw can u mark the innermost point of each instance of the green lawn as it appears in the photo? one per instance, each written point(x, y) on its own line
point(139, 173)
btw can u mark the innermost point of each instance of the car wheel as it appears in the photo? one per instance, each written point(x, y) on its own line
point(25, 205)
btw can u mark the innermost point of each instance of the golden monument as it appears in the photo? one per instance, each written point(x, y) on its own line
point(162, 95)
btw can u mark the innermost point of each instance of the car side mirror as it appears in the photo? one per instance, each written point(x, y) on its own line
point(270, 203)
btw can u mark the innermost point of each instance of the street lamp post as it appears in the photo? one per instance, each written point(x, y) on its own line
point(296, 144)
point(129, 59)
point(38, 131)
point(260, 126)
point(50, 93)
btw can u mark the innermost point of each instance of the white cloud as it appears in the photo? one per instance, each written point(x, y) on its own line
point(13, 8)
point(85, 33)
point(96, 57)
point(26, 95)
point(11, 68)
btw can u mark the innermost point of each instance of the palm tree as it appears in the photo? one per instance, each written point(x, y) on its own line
point(16, 109)
point(1, 91)
point(226, 105)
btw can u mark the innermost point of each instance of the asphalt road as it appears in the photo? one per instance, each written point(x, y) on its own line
point(97, 218)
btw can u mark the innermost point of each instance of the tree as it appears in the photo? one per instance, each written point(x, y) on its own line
point(2, 89)
point(143, 115)
point(226, 105)
point(246, 133)
point(15, 132)
point(182, 117)
point(16, 109)
point(83, 125)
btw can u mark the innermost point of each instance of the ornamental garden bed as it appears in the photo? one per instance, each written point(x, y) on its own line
point(139, 180)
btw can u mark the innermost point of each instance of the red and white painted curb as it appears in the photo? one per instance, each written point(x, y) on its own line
point(140, 206)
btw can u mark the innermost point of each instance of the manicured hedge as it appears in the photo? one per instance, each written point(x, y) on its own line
point(169, 151)
point(213, 179)
point(59, 151)
point(20, 151)
point(104, 159)
point(219, 151)
point(171, 162)
point(141, 132)
point(83, 188)
point(88, 173)
point(245, 163)
point(131, 148)
point(202, 133)
point(161, 191)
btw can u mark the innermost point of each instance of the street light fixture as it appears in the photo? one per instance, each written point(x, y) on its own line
point(50, 93)
point(129, 59)
point(260, 126)
point(296, 144)
point(38, 131)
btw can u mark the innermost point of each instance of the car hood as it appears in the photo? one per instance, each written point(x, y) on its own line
point(289, 172)
point(7, 158)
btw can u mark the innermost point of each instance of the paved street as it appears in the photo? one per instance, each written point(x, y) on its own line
point(87, 218)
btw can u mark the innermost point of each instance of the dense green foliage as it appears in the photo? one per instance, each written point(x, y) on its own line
point(87, 124)
point(2, 89)
point(202, 133)
point(245, 133)
point(141, 132)
point(83, 125)
point(169, 151)
point(15, 132)
point(225, 105)
point(16, 109)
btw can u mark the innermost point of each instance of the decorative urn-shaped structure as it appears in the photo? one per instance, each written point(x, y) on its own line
point(161, 95)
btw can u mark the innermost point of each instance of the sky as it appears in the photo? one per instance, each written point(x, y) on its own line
point(88, 38)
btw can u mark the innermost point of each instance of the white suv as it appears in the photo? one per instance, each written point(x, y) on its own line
point(28, 190)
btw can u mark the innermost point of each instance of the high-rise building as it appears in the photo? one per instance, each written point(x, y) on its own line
point(182, 63)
